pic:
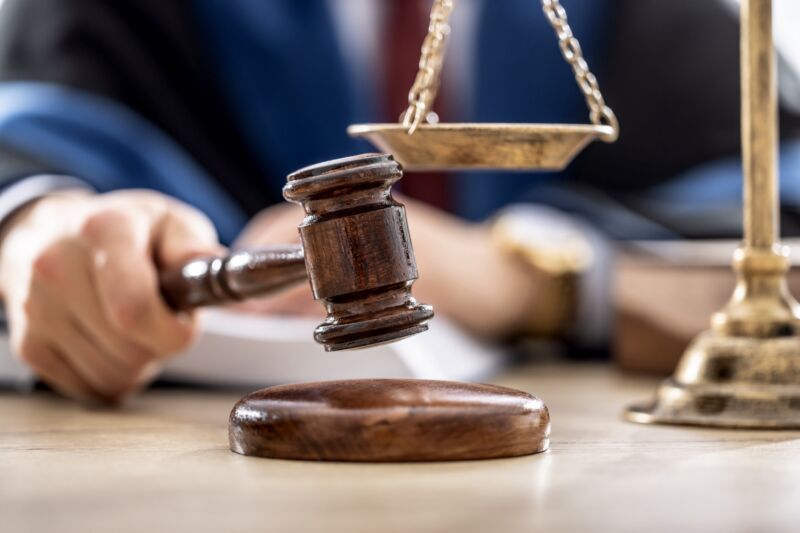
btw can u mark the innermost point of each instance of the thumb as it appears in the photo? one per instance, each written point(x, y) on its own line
point(183, 234)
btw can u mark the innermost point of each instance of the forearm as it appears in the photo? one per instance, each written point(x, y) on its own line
point(475, 281)
point(475, 284)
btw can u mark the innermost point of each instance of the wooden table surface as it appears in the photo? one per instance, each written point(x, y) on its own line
point(162, 464)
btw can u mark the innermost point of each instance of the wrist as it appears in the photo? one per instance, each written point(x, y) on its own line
point(527, 297)
point(24, 212)
point(555, 254)
point(13, 226)
point(7, 228)
point(17, 198)
point(481, 288)
point(540, 301)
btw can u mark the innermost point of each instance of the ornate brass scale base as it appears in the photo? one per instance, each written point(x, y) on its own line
point(745, 371)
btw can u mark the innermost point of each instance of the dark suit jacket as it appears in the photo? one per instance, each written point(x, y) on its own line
point(671, 74)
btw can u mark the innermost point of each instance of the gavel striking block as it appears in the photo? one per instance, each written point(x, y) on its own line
point(356, 252)
point(381, 420)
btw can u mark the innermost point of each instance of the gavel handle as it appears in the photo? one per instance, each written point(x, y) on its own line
point(240, 275)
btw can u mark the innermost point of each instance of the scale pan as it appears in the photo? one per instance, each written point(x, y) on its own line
point(482, 146)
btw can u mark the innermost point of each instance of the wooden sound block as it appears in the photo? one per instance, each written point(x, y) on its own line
point(389, 420)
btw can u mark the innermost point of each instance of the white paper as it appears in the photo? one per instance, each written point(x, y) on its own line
point(249, 350)
point(242, 349)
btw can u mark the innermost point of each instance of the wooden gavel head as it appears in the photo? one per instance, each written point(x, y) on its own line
point(358, 251)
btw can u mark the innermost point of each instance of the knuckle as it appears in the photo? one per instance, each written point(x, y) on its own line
point(136, 380)
point(135, 357)
point(34, 310)
point(107, 384)
point(98, 223)
point(120, 387)
point(179, 339)
point(50, 265)
point(147, 198)
point(130, 313)
point(186, 338)
point(105, 388)
point(193, 223)
point(27, 350)
point(113, 390)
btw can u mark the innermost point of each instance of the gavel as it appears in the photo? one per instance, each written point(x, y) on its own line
point(356, 252)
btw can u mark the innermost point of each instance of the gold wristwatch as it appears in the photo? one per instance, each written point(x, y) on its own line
point(553, 245)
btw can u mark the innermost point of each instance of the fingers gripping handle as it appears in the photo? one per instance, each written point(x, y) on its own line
point(242, 274)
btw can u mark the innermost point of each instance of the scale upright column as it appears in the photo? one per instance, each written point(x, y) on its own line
point(761, 305)
point(759, 125)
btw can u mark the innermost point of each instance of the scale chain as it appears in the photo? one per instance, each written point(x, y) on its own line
point(599, 112)
point(426, 85)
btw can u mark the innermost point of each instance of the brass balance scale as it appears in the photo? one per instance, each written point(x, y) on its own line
point(745, 371)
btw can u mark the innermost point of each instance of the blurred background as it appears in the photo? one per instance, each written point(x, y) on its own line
point(208, 105)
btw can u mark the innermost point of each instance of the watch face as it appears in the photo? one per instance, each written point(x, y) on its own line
point(548, 238)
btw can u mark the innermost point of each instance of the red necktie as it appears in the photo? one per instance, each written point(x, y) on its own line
point(406, 24)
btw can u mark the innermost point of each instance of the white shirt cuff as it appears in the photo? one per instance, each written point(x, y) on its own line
point(26, 190)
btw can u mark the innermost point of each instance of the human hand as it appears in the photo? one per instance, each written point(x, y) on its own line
point(79, 278)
